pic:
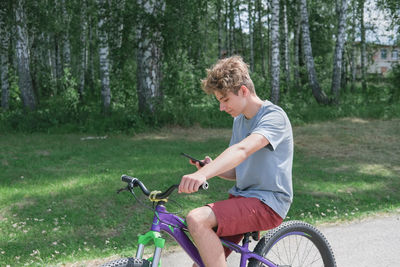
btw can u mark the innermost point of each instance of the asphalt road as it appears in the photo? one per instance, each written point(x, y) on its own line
point(368, 242)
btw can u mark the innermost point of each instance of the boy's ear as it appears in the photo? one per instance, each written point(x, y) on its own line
point(245, 90)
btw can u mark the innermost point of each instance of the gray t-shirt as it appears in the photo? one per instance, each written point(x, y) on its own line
point(267, 173)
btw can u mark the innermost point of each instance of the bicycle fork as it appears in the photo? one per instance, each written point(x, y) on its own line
point(159, 243)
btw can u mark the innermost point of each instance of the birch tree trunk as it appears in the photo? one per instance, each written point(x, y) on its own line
point(65, 36)
point(363, 47)
point(104, 57)
point(319, 95)
point(227, 36)
point(58, 61)
point(338, 57)
point(149, 56)
point(83, 55)
point(52, 56)
point(90, 51)
point(232, 40)
point(242, 47)
point(5, 92)
point(353, 48)
point(4, 46)
point(296, 54)
point(23, 61)
point(343, 79)
point(260, 7)
point(58, 47)
point(286, 45)
point(275, 64)
point(251, 36)
point(219, 7)
point(205, 33)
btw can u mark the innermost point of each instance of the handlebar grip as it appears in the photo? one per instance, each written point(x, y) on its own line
point(128, 179)
point(204, 186)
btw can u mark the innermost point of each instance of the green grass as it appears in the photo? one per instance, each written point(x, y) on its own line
point(58, 200)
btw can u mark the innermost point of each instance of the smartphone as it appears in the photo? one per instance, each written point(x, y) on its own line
point(193, 159)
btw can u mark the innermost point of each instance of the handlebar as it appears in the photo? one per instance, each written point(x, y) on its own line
point(134, 182)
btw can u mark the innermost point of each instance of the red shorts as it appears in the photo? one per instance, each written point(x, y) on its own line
point(238, 215)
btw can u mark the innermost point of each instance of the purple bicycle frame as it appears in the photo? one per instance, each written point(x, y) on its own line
point(176, 227)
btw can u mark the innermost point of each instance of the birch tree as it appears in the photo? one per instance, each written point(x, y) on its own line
point(338, 57)
point(23, 61)
point(104, 56)
point(239, 11)
point(319, 95)
point(218, 6)
point(231, 31)
point(51, 44)
point(84, 48)
point(285, 40)
point(150, 40)
point(66, 41)
point(296, 48)
point(296, 57)
point(275, 63)
point(260, 34)
point(227, 35)
point(4, 46)
point(251, 35)
point(363, 46)
point(352, 48)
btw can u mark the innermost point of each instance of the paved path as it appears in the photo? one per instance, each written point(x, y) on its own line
point(368, 242)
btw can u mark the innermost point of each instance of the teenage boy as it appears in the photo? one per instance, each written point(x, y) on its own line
point(259, 158)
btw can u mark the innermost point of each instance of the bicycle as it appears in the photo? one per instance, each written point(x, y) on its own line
point(293, 243)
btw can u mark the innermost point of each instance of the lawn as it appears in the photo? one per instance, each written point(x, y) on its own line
point(58, 201)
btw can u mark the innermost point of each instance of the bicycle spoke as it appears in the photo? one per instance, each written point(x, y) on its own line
point(295, 250)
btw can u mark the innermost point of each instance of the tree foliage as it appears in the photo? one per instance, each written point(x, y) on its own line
point(93, 63)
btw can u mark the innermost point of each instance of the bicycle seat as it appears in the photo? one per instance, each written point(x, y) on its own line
point(254, 235)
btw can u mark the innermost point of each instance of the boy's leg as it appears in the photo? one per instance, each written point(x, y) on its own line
point(238, 215)
point(231, 217)
point(201, 223)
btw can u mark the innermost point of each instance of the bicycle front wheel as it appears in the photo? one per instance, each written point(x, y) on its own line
point(127, 262)
point(295, 244)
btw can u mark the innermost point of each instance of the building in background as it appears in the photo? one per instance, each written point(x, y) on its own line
point(383, 58)
point(380, 58)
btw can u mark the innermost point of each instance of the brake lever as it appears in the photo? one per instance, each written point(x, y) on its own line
point(123, 189)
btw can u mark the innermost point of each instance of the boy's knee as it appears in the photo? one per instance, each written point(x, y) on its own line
point(201, 218)
point(193, 220)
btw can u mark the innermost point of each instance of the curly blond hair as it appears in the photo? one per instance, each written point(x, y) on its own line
point(228, 75)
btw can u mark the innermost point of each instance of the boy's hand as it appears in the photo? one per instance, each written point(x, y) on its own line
point(191, 182)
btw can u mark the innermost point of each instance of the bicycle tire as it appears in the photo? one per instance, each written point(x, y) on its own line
point(127, 262)
point(295, 243)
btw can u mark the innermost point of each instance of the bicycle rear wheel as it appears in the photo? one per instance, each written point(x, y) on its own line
point(294, 243)
point(127, 262)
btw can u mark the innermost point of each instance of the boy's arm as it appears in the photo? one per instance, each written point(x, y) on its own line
point(228, 175)
point(224, 163)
